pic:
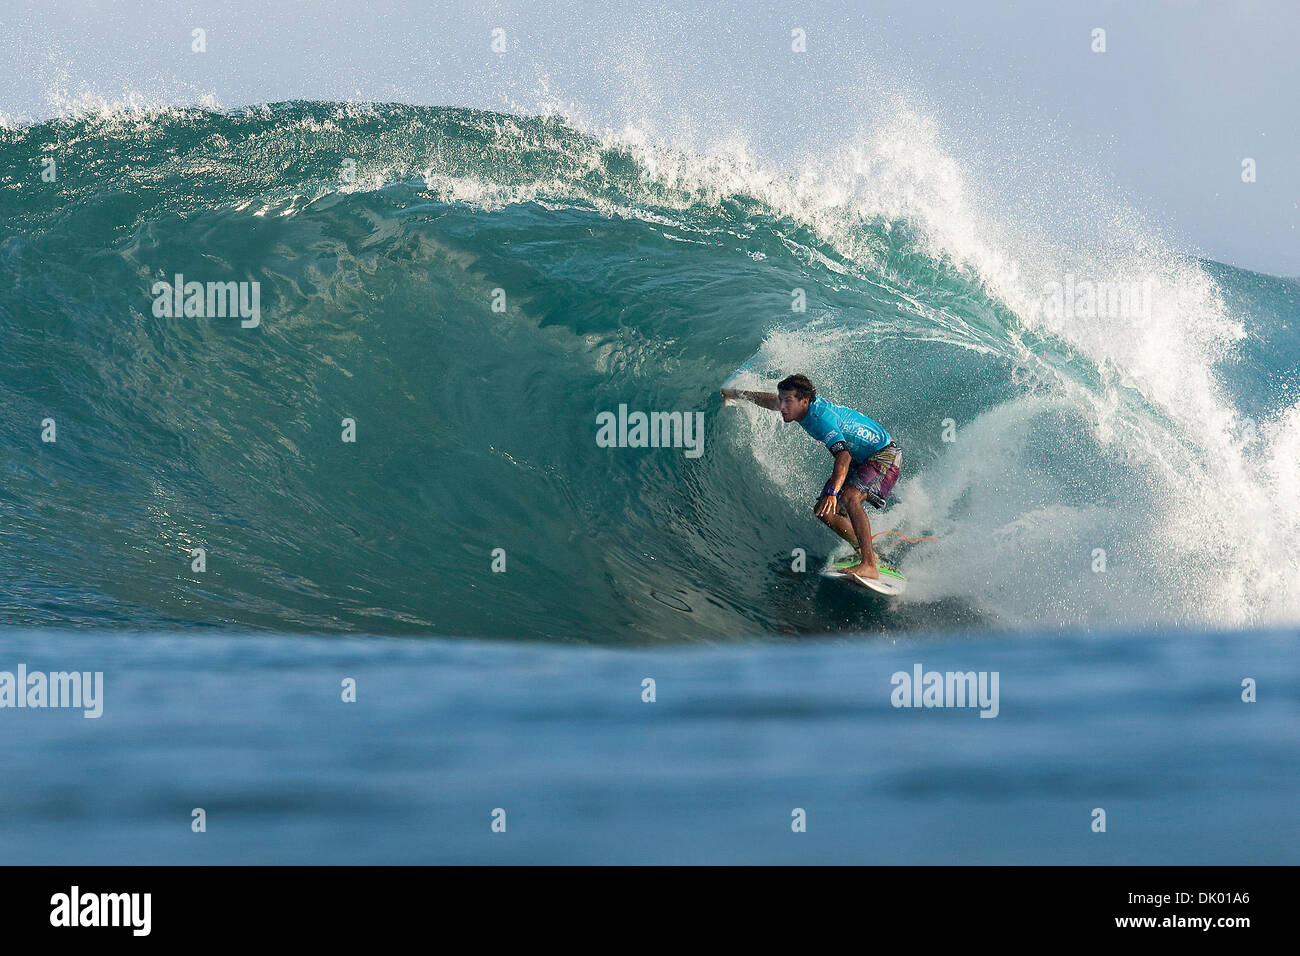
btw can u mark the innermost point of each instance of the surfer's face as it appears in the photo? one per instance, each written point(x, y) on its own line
point(792, 408)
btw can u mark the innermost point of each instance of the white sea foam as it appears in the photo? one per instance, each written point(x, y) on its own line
point(1220, 537)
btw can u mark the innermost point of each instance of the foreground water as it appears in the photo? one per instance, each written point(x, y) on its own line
point(1150, 728)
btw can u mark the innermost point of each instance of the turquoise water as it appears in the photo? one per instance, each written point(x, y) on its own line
point(476, 429)
point(1113, 503)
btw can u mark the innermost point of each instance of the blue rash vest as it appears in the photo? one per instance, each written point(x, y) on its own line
point(834, 425)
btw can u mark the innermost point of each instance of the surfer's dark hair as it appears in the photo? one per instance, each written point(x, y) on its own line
point(798, 384)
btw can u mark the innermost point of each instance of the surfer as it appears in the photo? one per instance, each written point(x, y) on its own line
point(866, 460)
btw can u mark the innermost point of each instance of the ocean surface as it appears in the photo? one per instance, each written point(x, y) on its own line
point(392, 473)
point(253, 731)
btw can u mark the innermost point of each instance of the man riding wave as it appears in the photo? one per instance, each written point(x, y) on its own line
point(867, 460)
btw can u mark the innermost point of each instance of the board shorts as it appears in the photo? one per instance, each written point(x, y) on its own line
point(875, 477)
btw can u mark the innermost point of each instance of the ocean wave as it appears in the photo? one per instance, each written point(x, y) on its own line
point(1158, 447)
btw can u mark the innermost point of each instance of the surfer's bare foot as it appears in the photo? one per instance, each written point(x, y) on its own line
point(863, 571)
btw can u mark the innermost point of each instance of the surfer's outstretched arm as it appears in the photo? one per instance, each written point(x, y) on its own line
point(769, 400)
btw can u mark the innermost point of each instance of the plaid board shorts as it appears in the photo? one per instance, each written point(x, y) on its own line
point(875, 477)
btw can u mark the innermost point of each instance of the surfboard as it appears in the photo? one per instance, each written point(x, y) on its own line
point(891, 580)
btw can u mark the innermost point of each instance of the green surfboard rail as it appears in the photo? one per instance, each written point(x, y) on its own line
point(886, 570)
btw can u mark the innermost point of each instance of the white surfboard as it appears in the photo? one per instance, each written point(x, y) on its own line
point(891, 581)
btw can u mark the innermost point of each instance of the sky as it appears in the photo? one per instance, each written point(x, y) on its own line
point(1183, 94)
